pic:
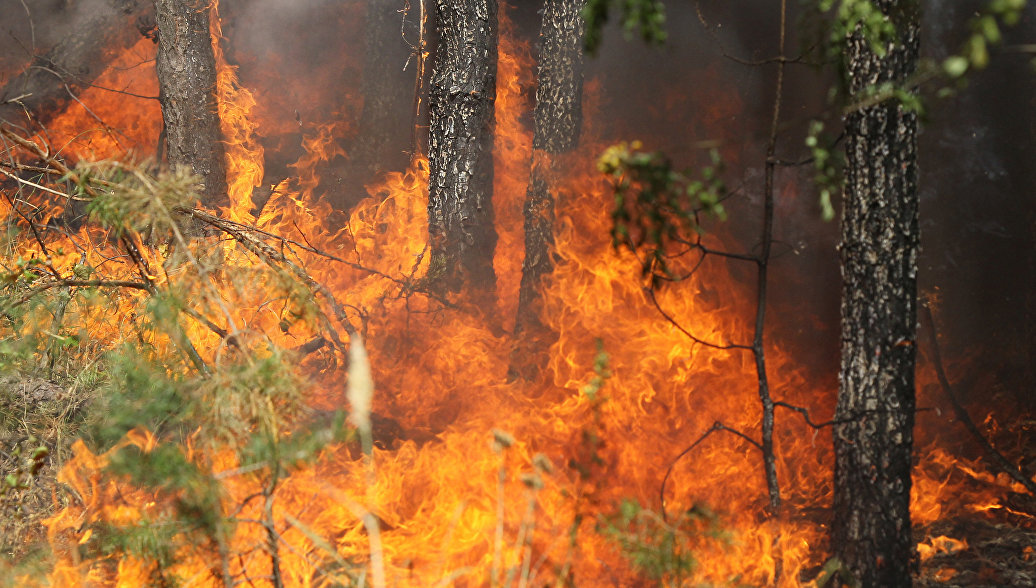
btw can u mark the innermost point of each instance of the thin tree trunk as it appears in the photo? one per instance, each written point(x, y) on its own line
point(187, 90)
point(559, 109)
point(558, 120)
point(51, 80)
point(880, 236)
point(460, 142)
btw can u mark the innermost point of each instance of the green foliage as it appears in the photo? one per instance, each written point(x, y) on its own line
point(656, 205)
point(880, 31)
point(236, 401)
point(862, 16)
point(645, 16)
point(138, 394)
point(133, 199)
point(588, 459)
point(661, 550)
point(985, 32)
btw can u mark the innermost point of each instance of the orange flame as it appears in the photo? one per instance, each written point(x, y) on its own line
point(453, 506)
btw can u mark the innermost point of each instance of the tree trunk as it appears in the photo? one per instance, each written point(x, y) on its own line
point(385, 119)
point(880, 236)
point(559, 108)
point(558, 119)
point(460, 142)
point(187, 90)
point(53, 79)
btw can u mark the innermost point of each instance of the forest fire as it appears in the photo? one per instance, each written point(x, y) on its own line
point(629, 457)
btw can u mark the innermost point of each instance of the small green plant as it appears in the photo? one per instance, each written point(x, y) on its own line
point(659, 549)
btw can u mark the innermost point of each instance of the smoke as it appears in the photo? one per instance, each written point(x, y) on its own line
point(977, 181)
point(978, 215)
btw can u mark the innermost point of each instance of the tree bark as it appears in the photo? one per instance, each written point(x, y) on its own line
point(187, 90)
point(559, 109)
point(51, 80)
point(558, 119)
point(880, 237)
point(460, 141)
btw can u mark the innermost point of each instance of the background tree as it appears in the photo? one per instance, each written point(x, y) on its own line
point(187, 90)
point(880, 237)
point(460, 143)
point(384, 123)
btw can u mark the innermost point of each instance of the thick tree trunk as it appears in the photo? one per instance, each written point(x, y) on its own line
point(558, 120)
point(880, 236)
point(187, 90)
point(52, 80)
point(460, 141)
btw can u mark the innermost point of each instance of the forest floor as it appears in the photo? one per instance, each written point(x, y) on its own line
point(995, 550)
point(39, 420)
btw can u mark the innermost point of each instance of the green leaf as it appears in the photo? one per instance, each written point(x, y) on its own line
point(955, 66)
point(827, 211)
point(987, 25)
point(978, 53)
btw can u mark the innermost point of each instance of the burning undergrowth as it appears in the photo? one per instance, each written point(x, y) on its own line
point(221, 343)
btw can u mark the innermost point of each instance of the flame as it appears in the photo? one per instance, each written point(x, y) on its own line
point(512, 153)
point(486, 481)
point(118, 113)
point(244, 154)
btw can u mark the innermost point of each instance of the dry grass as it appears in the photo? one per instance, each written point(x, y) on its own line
point(34, 414)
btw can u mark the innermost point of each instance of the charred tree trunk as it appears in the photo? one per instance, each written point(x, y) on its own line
point(559, 108)
point(51, 80)
point(880, 236)
point(558, 121)
point(460, 141)
point(187, 90)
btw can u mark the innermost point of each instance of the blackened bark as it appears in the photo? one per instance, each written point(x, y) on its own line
point(187, 90)
point(558, 120)
point(880, 236)
point(460, 141)
point(559, 109)
point(51, 80)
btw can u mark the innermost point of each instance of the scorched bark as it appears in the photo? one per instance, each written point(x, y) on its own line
point(187, 90)
point(880, 236)
point(53, 79)
point(558, 120)
point(559, 111)
point(460, 141)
